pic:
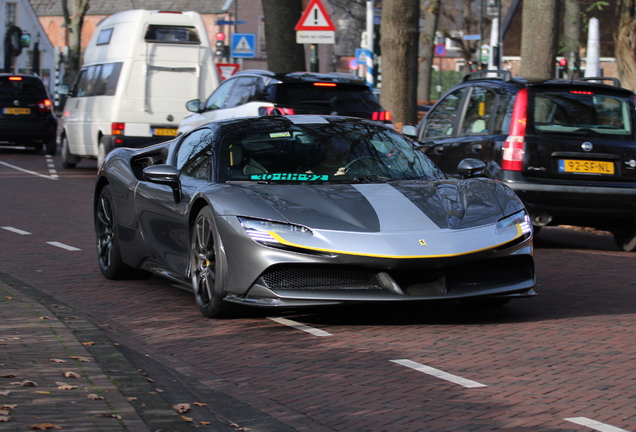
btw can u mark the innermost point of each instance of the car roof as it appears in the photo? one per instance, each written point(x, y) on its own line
point(303, 77)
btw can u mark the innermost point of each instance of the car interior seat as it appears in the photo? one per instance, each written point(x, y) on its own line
point(241, 163)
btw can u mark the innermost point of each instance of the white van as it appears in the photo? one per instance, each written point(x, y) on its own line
point(140, 68)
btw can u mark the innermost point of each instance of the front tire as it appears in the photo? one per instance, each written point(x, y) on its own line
point(205, 271)
point(626, 238)
point(108, 249)
point(68, 160)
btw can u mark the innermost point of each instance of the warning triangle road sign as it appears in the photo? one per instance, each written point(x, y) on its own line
point(243, 47)
point(316, 18)
point(226, 70)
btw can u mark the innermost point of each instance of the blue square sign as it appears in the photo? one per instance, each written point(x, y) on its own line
point(243, 45)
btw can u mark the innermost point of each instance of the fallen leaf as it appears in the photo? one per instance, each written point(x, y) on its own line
point(188, 419)
point(7, 376)
point(181, 408)
point(89, 343)
point(109, 415)
point(72, 375)
point(44, 318)
point(57, 360)
point(93, 396)
point(159, 390)
point(130, 399)
point(43, 392)
point(15, 338)
point(9, 298)
point(243, 429)
point(116, 344)
point(7, 406)
point(4, 412)
point(149, 379)
point(44, 426)
point(25, 383)
point(234, 425)
point(200, 404)
point(144, 374)
point(67, 387)
point(4, 392)
point(204, 423)
point(5, 418)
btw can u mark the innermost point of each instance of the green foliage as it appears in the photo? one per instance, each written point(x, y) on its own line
point(598, 5)
point(449, 80)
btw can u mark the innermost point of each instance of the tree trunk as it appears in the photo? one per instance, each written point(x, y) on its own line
point(539, 38)
point(572, 36)
point(625, 43)
point(283, 53)
point(74, 21)
point(427, 41)
point(399, 44)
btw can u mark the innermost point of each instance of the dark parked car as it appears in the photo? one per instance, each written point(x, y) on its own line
point(309, 210)
point(26, 113)
point(255, 92)
point(567, 148)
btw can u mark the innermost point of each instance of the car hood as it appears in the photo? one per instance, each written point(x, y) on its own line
point(394, 206)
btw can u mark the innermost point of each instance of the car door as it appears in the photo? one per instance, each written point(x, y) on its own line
point(74, 111)
point(89, 132)
point(164, 222)
point(468, 124)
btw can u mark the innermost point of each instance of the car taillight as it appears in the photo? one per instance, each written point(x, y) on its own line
point(275, 111)
point(514, 147)
point(117, 128)
point(381, 116)
point(324, 84)
point(45, 106)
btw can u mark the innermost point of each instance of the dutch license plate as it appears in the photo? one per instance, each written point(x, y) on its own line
point(16, 110)
point(585, 167)
point(164, 132)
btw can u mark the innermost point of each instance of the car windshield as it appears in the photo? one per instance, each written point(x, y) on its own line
point(582, 111)
point(16, 85)
point(348, 152)
point(330, 95)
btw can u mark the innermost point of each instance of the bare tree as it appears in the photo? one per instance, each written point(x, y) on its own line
point(539, 38)
point(399, 44)
point(283, 53)
point(427, 42)
point(462, 15)
point(74, 21)
point(625, 43)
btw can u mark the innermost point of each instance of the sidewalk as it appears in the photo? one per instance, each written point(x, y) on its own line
point(49, 379)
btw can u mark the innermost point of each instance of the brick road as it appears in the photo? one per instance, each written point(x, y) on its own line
point(568, 353)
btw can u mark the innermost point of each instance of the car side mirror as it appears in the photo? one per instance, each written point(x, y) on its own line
point(409, 130)
point(164, 175)
point(470, 167)
point(63, 89)
point(193, 105)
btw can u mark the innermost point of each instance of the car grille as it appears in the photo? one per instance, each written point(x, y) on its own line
point(320, 278)
point(496, 271)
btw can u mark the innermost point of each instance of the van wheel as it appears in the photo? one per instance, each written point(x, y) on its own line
point(68, 160)
point(626, 238)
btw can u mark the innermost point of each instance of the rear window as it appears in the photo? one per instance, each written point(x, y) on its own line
point(342, 96)
point(582, 111)
point(15, 85)
point(172, 34)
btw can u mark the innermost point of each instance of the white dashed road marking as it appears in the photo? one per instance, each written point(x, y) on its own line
point(17, 231)
point(593, 424)
point(51, 165)
point(29, 172)
point(438, 373)
point(63, 246)
point(299, 326)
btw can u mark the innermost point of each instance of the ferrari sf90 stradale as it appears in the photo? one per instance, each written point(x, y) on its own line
point(297, 211)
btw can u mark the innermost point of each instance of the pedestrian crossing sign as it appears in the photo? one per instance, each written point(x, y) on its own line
point(243, 45)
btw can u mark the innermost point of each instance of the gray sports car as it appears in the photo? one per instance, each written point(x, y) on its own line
point(309, 210)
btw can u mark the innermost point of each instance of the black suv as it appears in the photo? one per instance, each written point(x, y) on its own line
point(26, 113)
point(567, 148)
point(259, 92)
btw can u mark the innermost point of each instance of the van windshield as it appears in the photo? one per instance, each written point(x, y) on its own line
point(172, 34)
point(582, 111)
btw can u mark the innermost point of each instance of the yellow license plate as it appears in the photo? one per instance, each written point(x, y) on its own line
point(165, 132)
point(586, 166)
point(16, 110)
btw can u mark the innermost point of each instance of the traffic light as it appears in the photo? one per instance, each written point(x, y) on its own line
point(221, 50)
point(562, 68)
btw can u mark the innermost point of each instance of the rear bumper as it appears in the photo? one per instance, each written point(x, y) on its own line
point(38, 129)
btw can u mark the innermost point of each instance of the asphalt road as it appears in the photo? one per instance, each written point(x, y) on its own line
point(562, 361)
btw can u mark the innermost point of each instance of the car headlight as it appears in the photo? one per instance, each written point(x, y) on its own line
point(520, 218)
point(264, 231)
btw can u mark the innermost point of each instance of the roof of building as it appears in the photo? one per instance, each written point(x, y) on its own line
point(54, 7)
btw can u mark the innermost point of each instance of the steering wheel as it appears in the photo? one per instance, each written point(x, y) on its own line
point(347, 167)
